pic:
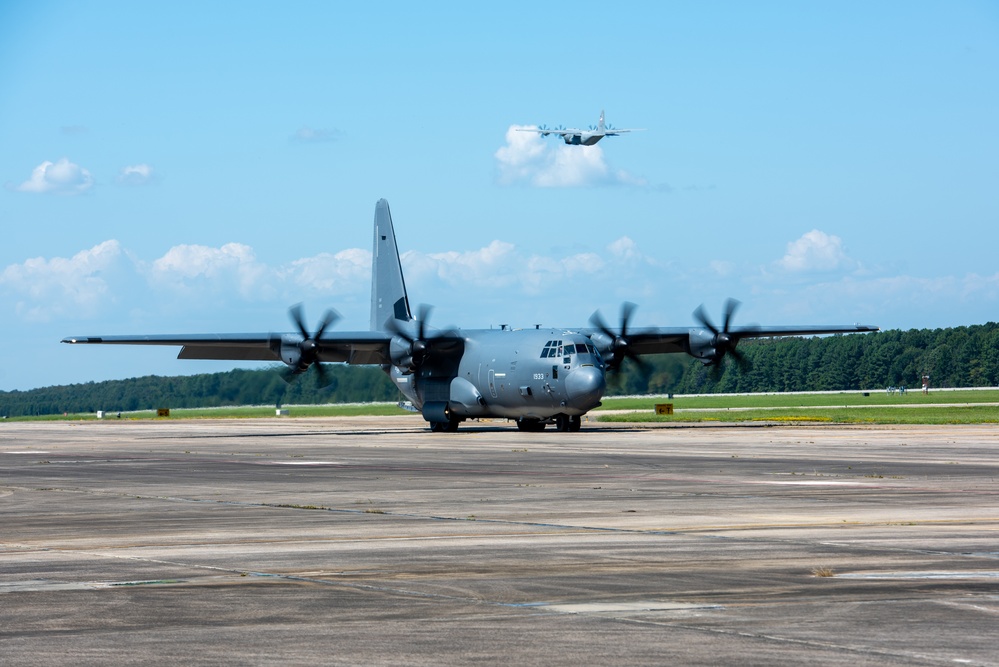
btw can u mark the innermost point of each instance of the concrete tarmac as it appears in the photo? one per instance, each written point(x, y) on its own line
point(371, 541)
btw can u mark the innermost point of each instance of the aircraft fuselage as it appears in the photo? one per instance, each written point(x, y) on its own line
point(584, 139)
point(532, 374)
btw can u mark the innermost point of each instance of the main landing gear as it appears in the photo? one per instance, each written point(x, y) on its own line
point(562, 423)
point(531, 425)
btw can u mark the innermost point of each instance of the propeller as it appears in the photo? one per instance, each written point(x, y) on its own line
point(544, 130)
point(722, 341)
point(308, 347)
point(619, 341)
point(419, 349)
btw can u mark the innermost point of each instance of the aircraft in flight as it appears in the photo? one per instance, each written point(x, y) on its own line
point(588, 137)
point(537, 376)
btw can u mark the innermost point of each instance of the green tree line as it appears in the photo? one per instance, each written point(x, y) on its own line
point(347, 384)
point(954, 357)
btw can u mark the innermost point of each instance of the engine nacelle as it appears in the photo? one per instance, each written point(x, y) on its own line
point(703, 346)
point(291, 353)
point(605, 345)
point(401, 353)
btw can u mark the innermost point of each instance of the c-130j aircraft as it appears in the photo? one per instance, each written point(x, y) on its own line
point(536, 376)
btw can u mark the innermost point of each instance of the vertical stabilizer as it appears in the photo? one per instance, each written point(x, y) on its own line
point(600, 126)
point(388, 289)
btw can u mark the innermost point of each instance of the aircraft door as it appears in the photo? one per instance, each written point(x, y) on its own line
point(492, 383)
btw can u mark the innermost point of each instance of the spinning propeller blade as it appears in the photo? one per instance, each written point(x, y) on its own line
point(308, 347)
point(419, 345)
point(723, 341)
point(620, 344)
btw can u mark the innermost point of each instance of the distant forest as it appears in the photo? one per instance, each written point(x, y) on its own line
point(956, 357)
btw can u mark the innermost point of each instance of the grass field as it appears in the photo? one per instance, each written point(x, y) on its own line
point(238, 412)
point(972, 406)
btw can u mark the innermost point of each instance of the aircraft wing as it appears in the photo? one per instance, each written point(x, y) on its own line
point(650, 342)
point(561, 133)
point(358, 347)
point(697, 340)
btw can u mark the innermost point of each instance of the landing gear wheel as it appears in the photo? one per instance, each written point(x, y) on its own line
point(531, 425)
point(449, 426)
point(568, 423)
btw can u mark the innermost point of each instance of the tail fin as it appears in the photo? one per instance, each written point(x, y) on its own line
point(388, 289)
point(600, 126)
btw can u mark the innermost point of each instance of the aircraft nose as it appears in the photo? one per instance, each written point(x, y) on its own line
point(585, 386)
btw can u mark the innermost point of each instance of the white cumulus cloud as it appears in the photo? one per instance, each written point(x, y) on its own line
point(76, 286)
point(471, 287)
point(62, 177)
point(190, 261)
point(186, 268)
point(502, 268)
point(624, 248)
point(136, 174)
point(815, 251)
point(583, 263)
point(475, 266)
point(197, 270)
point(342, 273)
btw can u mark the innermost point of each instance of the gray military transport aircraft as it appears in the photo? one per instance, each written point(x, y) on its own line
point(535, 376)
point(587, 137)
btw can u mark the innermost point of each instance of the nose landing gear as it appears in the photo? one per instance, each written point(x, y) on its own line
point(450, 426)
point(568, 422)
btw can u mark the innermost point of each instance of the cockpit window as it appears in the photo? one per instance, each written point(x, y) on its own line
point(552, 349)
point(555, 348)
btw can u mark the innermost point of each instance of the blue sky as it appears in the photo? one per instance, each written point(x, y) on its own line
point(193, 167)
